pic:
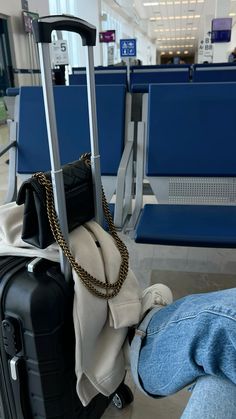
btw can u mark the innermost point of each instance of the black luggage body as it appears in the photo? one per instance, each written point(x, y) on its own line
point(37, 350)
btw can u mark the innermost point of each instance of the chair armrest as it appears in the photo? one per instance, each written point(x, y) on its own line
point(125, 180)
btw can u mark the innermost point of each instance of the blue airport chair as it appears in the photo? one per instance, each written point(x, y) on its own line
point(114, 132)
point(217, 72)
point(142, 76)
point(190, 164)
point(103, 75)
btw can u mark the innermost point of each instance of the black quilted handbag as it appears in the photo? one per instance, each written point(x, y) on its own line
point(79, 203)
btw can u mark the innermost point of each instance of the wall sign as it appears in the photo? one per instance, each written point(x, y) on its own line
point(107, 36)
point(28, 18)
point(205, 49)
point(128, 47)
point(24, 4)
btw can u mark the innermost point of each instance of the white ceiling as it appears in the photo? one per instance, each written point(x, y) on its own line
point(174, 25)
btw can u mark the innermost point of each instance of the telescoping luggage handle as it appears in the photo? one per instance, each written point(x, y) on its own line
point(42, 29)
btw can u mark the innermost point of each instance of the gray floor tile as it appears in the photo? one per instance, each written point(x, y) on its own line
point(164, 408)
point(185, 283)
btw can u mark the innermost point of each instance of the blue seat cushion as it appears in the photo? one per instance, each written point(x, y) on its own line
point(188, 225)
point(73, 126)
point(217, 72)
point(206, 145)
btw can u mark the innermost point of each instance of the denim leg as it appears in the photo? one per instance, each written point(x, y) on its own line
point(193, 337)
point(212, 398)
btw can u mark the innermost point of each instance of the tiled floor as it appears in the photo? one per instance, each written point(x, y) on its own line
point(174, 265)
point(147, 408)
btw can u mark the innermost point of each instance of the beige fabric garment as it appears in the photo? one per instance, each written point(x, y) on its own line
point(100, 325)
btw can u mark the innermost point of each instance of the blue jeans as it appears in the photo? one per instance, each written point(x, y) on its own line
point(192, 339)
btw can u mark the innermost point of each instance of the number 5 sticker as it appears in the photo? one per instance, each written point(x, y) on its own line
point(63, 47)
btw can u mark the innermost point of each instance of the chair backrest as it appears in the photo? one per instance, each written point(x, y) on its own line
point(103, 75)
point(222, 72)
point(73, 126)
point(191, 130)
point(142, 76)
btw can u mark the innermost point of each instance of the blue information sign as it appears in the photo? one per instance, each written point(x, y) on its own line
point(128, 47)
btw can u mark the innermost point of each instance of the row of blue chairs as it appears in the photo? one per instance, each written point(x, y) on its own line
point(28, 137)
point(141, 77)
point(185, 149)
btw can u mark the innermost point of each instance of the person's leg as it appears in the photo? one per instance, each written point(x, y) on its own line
point(190, 338)
point(212, 398)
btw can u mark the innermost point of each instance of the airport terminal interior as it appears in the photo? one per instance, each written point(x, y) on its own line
point(165, 77)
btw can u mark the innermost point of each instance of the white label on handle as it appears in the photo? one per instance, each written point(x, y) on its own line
point(60, 52)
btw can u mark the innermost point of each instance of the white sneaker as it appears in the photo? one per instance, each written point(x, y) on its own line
point(156, 295)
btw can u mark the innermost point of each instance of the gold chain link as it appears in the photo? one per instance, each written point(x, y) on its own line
point(107, 290)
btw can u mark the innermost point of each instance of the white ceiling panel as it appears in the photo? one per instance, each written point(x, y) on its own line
point(175, 25)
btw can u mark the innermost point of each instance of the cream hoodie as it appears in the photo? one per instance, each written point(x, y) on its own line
point(100, 325)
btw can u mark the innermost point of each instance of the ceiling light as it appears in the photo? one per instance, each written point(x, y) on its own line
point(232, 14)
point(174, 17)
point(185, 52)
point(178, 52)
point(170, 52)
point(163, 53)
point(183, 38)
point(175, 46)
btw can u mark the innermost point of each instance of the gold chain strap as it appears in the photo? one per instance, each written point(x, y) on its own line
point(107, 290)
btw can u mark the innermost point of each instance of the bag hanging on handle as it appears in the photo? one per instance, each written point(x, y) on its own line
point(41, 225)
point(79, 203)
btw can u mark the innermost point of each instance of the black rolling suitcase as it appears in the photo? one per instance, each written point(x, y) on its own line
point(37, 378)
point(37, 343)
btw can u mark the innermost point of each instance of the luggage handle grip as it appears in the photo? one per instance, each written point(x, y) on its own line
point(44, 26)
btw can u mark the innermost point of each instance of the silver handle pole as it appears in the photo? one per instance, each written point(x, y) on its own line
point(95, 156)
point(56, 170)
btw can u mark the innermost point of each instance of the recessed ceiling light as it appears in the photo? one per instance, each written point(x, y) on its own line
point(185, 52)
point(174, 17)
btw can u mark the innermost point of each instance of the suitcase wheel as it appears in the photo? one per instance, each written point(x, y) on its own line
point(123, 397)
